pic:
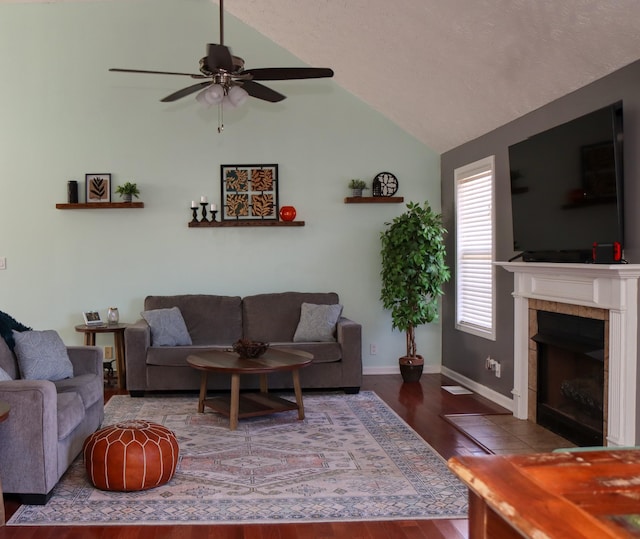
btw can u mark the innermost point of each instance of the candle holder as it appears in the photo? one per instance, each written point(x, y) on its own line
point(204, 212)
point(194, 210)
point(213, 215)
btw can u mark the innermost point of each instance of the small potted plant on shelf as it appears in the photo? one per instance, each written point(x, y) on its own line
point(357, 186)
point(413, 272)
point(127, 191)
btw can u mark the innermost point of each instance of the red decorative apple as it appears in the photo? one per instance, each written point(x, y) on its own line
point(287, 213)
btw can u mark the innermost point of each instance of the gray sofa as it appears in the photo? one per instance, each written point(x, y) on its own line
point(48, 422)
point(218, 321)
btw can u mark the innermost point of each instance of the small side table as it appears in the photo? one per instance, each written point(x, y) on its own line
point(4, 413)
point(118, 341)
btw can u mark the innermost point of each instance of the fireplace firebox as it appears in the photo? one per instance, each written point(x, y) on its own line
point(571, 374)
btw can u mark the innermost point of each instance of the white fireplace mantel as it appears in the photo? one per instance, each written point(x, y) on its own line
point(610, 287)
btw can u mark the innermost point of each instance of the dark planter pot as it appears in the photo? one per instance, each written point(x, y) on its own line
point(411, 368)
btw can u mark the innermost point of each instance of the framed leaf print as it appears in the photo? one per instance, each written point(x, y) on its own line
point(249, 192)
point(98, 188)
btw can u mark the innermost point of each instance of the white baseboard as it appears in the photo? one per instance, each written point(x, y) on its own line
point(484, 391)
point(428, 369)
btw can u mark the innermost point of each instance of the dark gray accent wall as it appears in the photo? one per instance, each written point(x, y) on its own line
point(463, 353)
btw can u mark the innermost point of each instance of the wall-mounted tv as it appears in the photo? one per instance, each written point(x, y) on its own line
point(567, 188)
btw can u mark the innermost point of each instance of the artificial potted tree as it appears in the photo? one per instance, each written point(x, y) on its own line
point(127, 191)
point(413, 272)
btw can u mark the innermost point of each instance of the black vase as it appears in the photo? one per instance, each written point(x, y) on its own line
point(411, 373)
point(72, 192)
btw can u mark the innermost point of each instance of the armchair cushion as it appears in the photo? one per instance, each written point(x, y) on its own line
point(8, 360)
point(42, 355)
point(317, 322)
point(4, 375)
point(167, 327)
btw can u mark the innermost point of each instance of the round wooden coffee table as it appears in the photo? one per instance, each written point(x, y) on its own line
point(250, 404)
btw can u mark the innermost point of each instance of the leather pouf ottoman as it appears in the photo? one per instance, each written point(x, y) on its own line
point(132, 455)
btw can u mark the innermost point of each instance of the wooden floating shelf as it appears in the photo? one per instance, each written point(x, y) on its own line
point(101, 206)
point(224, 224)
point(373, 200)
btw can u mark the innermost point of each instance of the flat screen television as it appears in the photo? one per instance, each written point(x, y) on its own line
point(567, 188)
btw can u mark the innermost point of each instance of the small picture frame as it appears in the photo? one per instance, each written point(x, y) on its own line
point(92, 318)
point(98, 188)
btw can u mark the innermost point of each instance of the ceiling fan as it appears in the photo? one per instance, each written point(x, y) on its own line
point(226, 82)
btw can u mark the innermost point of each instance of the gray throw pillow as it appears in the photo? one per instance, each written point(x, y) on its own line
point(42, 355)
point(4, 375)
point(317, 322)
point(167, 327)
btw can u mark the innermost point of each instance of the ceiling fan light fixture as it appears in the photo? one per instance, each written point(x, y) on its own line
point(237, 96)
point(211, 95)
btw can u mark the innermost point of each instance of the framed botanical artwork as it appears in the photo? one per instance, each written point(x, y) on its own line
point(98, 188)
point(249, 192)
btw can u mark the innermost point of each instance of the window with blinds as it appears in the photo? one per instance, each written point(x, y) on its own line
point(475, 305)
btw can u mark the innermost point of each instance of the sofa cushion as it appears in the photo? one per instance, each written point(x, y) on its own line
point(317, 322)
point(175, 356)
point(8, 360)
point(90, 387)
point(70, 413)
point(42, 355)
point(274, 317)
point(210, 319)
point(167, 327)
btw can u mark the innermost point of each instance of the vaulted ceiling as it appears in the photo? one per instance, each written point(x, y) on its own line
point(448, 71)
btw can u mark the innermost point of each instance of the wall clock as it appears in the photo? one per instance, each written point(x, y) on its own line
point(385, 184)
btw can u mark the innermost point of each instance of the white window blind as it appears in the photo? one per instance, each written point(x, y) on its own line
point(474, 248)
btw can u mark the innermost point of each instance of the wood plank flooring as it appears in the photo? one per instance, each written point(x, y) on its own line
point(419, 404)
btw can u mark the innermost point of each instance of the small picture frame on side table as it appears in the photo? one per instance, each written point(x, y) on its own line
point(92, 318)
point(98, 188)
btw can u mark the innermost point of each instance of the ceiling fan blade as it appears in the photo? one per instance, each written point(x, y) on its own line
point(192, 75)
point(219, 57)
point(186, 91)
point(255, 89)
point(288, 73)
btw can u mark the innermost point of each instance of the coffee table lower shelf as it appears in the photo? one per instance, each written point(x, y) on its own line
point(251, 404)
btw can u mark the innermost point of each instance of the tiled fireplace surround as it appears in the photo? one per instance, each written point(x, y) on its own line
point(605, 292)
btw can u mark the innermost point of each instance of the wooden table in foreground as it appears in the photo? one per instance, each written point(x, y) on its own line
point(547, 495)
point(250, 404)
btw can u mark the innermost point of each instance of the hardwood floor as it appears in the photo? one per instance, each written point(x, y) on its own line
point(419, 404)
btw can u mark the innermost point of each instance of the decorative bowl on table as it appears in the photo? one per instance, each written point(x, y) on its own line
point(247, 349)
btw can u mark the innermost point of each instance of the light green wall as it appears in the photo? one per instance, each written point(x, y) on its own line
point(64, 115)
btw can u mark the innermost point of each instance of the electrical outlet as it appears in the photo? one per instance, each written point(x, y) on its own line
point(487, 363)
point(373, 349)
point(3, 262)
point(497, 369)
point(108, 352)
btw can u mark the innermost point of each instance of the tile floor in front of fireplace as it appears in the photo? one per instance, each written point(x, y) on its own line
point(504, 434)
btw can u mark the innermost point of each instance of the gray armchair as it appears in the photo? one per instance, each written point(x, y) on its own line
point(48, 423)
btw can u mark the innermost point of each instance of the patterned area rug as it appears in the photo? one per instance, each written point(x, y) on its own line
point(351, 459)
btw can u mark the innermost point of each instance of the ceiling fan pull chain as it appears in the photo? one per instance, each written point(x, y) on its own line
point(220, 119)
